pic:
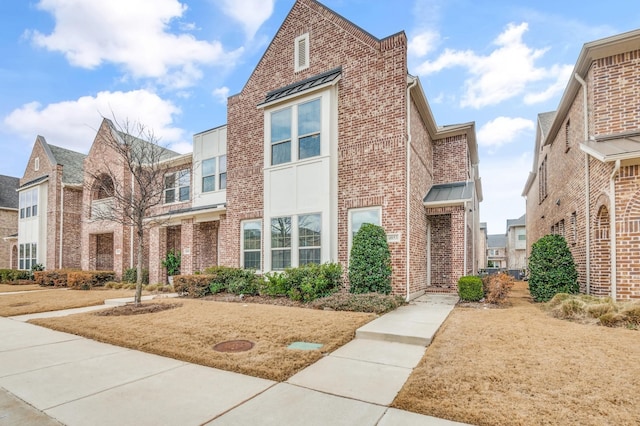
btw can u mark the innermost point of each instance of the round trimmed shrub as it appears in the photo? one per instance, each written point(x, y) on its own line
point(470, 288)
point(551, 269)
point(370, 261)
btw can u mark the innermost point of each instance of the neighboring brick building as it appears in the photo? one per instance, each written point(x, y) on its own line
point(50, 199)
point(517, 244)
point(586, 173)
point(8, 221)
point(481, 246)
point(329, 132)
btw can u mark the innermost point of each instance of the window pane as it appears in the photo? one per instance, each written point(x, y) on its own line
point(309, 117)
point(281, 232)
point(33, 252)
point(309, 146)
point(169, 195)
point(223, 164)
point(223, 181)
point(310, 256)
point(28, 213)
point(280, 259)
point(252, 260)
point(184, 193)
point(209, 167)
point(281, 153)
point(27, 251)
point(34, 210)
point(251, 234)
point(364, 216)
point(208, 183)
point(281, 125)
point(309, 230)
point(169, 181)
point(185, 178)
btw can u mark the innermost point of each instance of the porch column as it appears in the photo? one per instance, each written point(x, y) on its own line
point(187, 248)
point(157, 250)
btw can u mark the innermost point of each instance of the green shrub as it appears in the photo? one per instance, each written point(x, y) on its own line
point(370, 261)
point(551, 268)
point(312, 281)
point(131, 276)
point(223, 275)
point(274, 284)
point(496, 287)
point(86, 280)
point(470, 288)
point(13, 275)
point(363, 302)
point(247, 285)
point(217, 287)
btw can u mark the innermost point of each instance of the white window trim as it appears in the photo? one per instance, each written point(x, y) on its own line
point(301, 55)
point(217, 174)
point(176, 187)
point(324, 98)
point(242, 249)
point(350, 221)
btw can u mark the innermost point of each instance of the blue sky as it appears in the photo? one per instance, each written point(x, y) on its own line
point(170, 64)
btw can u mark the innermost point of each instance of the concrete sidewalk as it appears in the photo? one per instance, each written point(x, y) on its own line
point(77, 381)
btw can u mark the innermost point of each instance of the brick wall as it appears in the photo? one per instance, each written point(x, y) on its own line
point(371, 125)
point(8, 226)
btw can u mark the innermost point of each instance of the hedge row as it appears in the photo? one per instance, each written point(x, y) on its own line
point(11, 275)
point(73, 278)
point(493, 288)
point(305, 283)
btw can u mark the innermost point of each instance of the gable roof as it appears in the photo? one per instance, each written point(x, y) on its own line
point(545, 120)
point(496, 241)
point(72, 162)
point(8, 192)
point(521, 221)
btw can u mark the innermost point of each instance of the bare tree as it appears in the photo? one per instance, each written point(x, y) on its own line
point(131, 182)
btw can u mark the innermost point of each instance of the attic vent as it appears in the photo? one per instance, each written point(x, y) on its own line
point(36, 164)
point(301, 52)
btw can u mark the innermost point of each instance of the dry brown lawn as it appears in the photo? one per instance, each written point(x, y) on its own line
point(10, 288)
point(190, 331)
point(520, 366)
point(55, 300)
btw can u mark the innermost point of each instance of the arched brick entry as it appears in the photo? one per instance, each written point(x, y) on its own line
point(601, 254)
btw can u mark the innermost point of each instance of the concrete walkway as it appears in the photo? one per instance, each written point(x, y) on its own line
point(48, 377)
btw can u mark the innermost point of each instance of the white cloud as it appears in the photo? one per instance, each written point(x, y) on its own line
point(563, 74)
point(221, 94)
point(250, 13)
point(503, 130)
point(73, 124)
point(132, 34)
point(506, 178)
point(423, 43)
point(506, 72)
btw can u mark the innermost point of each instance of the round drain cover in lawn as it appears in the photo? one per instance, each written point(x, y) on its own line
point(233, 346)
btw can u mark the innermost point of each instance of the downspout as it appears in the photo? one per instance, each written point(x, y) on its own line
point(587, 189)
point(408, 195)
point(464, 259)
point(61, 225)
point(612, 230)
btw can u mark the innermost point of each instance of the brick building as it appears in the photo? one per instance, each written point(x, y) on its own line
point(50, 200)
point(329, 132)
point(586, 172)
point(9, 221)
point(497, 251)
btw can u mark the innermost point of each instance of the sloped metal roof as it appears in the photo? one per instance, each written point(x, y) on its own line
point(8, 193)
point(618, 148)
point(301, 86)
point(34, 181)
point(449, 193)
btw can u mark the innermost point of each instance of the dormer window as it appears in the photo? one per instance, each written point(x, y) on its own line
point(301, 52)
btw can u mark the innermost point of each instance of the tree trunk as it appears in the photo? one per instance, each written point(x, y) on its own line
point(140, 246)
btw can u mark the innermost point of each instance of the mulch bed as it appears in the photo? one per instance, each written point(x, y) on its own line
point(264, 300)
